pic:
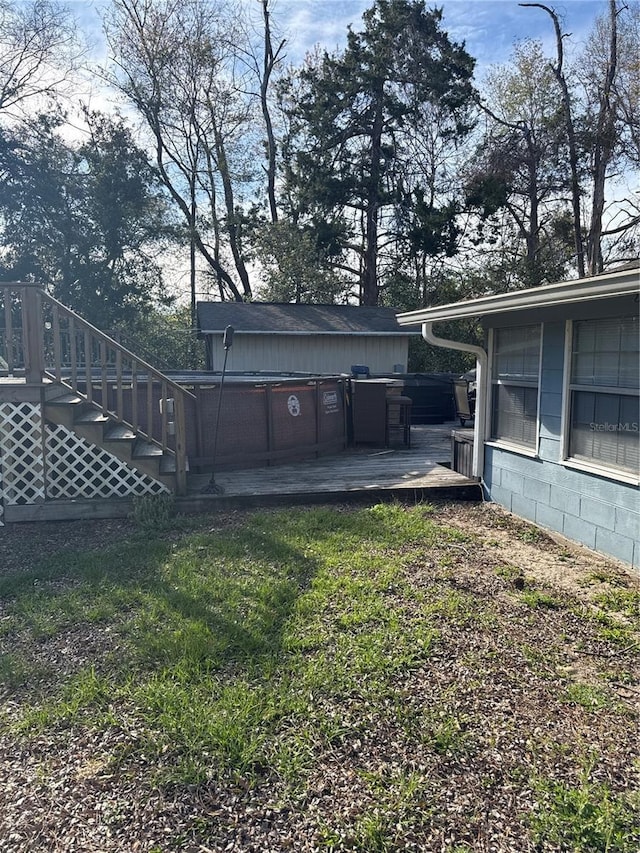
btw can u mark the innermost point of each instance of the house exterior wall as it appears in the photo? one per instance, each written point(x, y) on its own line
point(325, 354)
point(601, 513)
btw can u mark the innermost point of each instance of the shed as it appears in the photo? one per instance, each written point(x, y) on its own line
point(319, 339)
point(557, 427)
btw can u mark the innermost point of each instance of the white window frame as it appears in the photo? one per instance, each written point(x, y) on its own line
point(619, 474)
point(530, 450)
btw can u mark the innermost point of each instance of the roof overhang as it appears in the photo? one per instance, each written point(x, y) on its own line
point(623, 283)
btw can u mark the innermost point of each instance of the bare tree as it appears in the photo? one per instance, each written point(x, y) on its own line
point(39, 50)
point(558, 70)
point(610, 75)
point(264, 60)
point(520, 166)
point(603, 143)
point(270, 60)
point(608, 114)
point(176, 62)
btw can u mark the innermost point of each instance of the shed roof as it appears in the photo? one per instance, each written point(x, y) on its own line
point(621, 283)
point(295, 319)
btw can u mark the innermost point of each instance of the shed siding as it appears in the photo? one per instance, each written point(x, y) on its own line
point(330, 354)
point(595, 511)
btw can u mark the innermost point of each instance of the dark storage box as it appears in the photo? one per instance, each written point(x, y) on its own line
point(431, 395)
point(462, 451)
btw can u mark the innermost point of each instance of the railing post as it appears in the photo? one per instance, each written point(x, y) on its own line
point(33, 334)
point(180, 445)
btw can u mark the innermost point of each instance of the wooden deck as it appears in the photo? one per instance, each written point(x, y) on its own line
point(63, 371)
point(364, 474)
point(418, 472)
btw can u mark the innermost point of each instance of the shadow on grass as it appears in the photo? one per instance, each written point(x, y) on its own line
point(197, 599)
point(200, 629)
point(205, 599)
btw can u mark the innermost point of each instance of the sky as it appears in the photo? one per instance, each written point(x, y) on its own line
point(488, 27)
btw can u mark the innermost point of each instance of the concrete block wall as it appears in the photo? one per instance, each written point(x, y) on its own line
point(595, 511)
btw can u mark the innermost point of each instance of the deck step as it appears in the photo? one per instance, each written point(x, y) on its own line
point(145, 450)
point(93, 416)
point(168, 465)
point(75, 412)
point(65, 400)
point(120, 432)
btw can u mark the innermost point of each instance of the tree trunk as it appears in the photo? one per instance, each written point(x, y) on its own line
point(533, 231)
point(270, 59)
point(603, 149)
point(370, 289)
point(192, 275)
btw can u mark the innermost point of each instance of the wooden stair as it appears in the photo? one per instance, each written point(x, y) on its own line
point(87, 420)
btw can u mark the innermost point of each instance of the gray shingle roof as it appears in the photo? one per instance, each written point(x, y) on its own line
point(270, 317)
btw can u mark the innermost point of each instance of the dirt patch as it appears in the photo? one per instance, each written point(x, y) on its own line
point(510, 541)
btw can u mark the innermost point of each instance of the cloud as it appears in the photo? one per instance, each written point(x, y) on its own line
point(489, 28)
point(309, 23)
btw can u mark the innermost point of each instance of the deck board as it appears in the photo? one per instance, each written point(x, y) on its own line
point(362, 473)
point(361, 469)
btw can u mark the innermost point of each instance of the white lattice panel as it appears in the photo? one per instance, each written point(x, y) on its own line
point(77, 469)
point(22, 453)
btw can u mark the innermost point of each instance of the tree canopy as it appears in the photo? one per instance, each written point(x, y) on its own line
point(83, 219)
point(379, 173)
point(355, 151)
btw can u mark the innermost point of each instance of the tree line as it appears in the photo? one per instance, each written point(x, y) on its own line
point(380, 173)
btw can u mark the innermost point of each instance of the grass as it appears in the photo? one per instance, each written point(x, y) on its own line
point(589, 696)
point(541, 600)
point(624, 601)
point(321, 595)
point(586, 816)
point(251, 654)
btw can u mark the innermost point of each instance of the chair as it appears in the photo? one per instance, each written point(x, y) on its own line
point(465, 401)
point(398, 419)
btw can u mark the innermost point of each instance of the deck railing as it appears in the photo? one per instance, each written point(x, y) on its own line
point(40, 338)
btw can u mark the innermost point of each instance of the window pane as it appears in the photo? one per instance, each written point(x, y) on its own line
point(604, 429)
point(628, 377)
point(606, 352)
point(515, 411)
point(516, 353)
point(629, 334)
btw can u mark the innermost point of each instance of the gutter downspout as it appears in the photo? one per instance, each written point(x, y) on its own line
point(481, 374)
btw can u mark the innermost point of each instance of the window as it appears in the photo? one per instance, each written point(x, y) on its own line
point(604, 404)
point(515, 374)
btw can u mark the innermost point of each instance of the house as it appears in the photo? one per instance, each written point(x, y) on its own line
point(556, 434)
point(286, 338)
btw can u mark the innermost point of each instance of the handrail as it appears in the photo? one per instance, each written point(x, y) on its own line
point(115, 345)
point(67, 348)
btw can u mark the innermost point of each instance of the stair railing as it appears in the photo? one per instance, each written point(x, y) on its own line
point(41, 338)
point(19, 353)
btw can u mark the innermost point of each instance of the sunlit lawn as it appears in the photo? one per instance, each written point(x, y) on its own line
point(246, 654)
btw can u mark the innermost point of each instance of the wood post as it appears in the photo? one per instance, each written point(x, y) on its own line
point(181, 445)
point(32, 331)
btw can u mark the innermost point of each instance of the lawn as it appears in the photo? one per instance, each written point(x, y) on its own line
point(387, 678)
